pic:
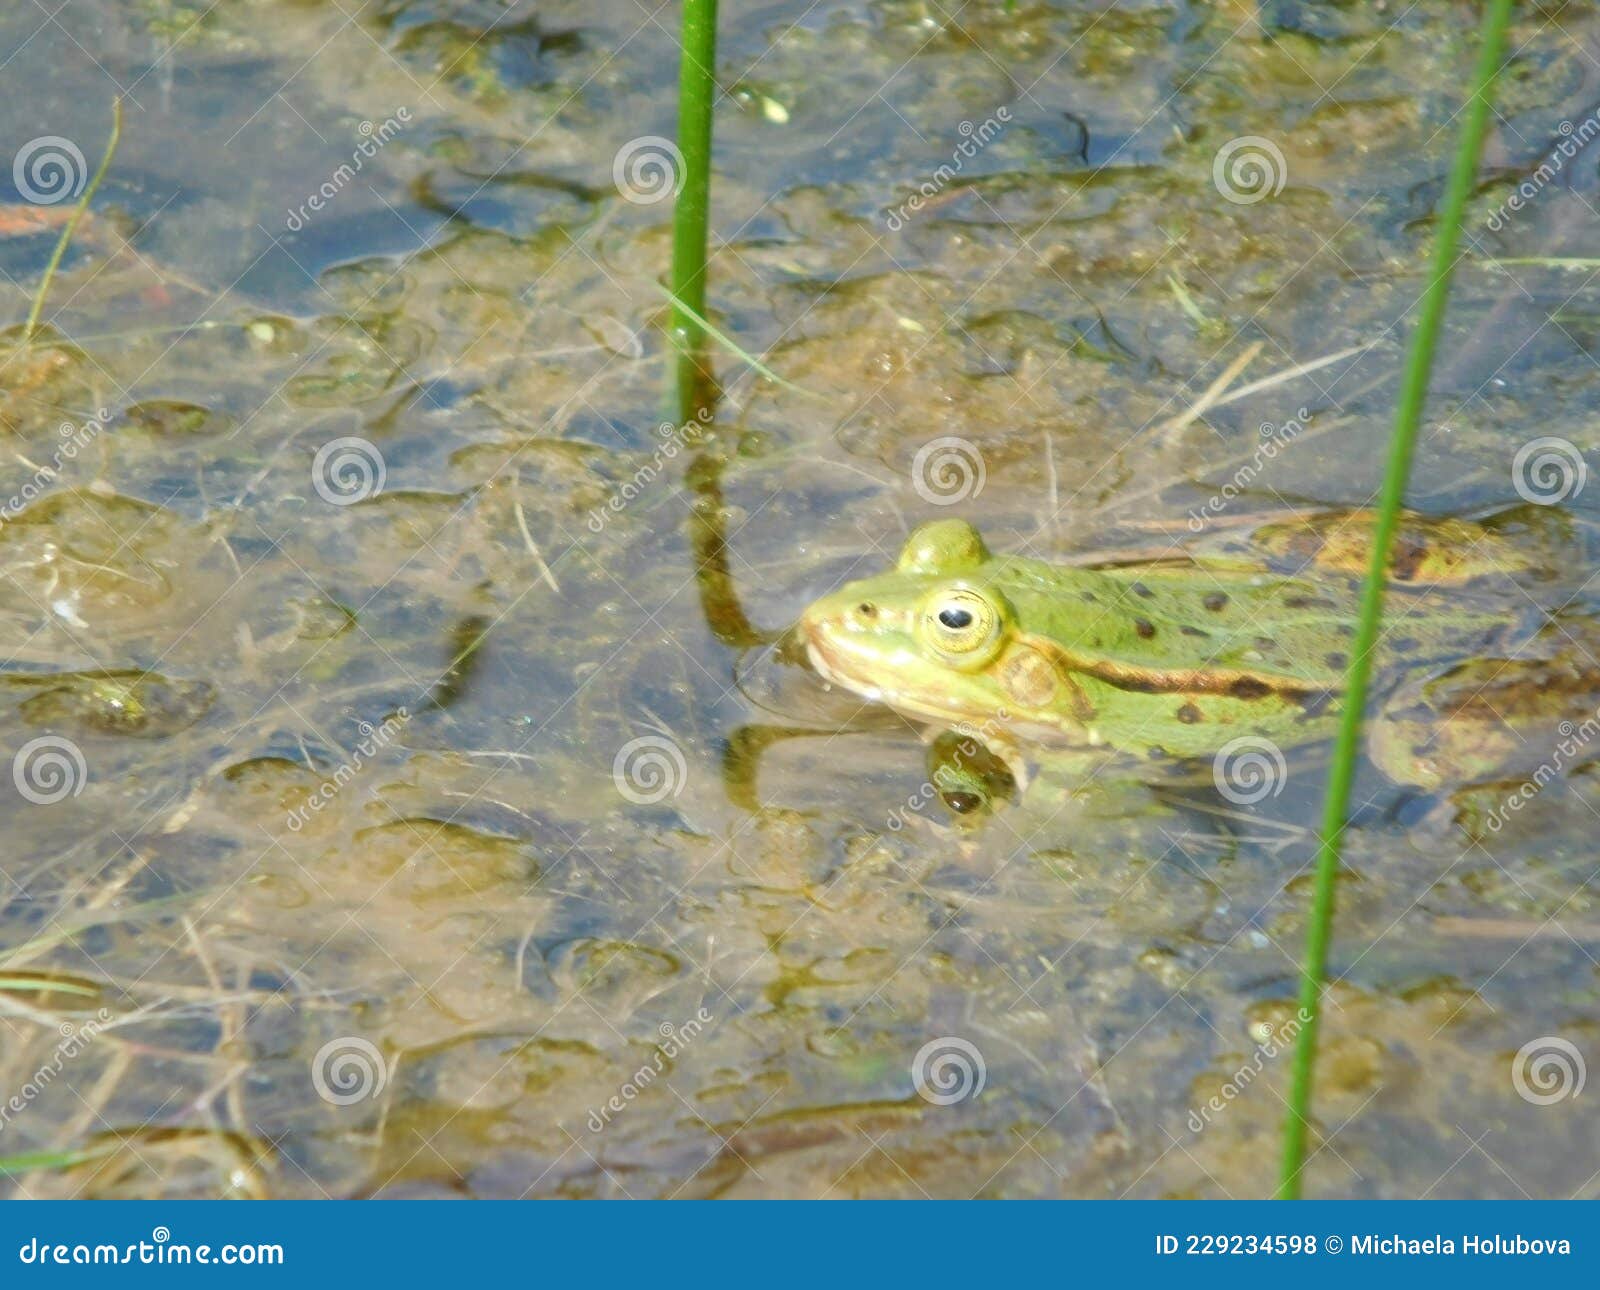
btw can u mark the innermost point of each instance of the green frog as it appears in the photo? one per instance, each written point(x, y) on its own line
point(1171, 661)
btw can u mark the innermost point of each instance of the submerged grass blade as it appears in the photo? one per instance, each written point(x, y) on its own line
point(47, 985)
point(72, 224)
point(1408, 413)
point(691, 215)
point(733, 347)
point(49, 1160)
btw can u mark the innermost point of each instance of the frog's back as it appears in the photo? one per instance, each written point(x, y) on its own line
point(1230, 623)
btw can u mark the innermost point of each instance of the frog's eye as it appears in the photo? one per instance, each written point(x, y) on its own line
point(962, 625)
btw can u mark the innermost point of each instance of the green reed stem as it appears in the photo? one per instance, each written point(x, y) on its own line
point(37, 307)
point(1408, 414)
point(697, 93)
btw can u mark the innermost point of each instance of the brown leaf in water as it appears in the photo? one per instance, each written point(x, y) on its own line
point(20, 219)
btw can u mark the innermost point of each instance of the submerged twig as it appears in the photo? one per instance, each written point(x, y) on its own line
point(1171, 429)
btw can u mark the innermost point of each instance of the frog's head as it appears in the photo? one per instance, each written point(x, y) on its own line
point(923, 638)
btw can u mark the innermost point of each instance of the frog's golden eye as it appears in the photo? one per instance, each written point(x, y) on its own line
point(962, 625)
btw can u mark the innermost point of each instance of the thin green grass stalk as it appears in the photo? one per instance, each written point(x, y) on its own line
point(1408, 413)
point(733, 347)
point(697, 93)
point(44, 985)
point(37, 307)
point(48, 1160)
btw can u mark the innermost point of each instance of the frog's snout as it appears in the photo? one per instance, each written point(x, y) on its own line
point(829, 629)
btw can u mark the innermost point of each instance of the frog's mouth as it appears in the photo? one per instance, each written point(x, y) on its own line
point(862, 673)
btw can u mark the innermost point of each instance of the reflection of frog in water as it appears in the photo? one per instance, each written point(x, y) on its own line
point(126, 702)
point(1170, 661)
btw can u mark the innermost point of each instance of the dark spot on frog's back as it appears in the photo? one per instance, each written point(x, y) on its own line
point(1139, 589)
point(1145, 628)
point(1216, 601)
point(1189, 714)
point(1408, 558)
point(1248, 687)
point(1336, 658)
point(1195, 631)
point(1315, 703)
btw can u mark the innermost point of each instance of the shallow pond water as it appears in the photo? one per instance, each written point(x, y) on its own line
point(412, 792)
